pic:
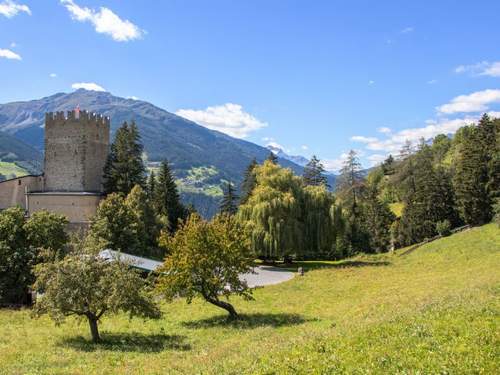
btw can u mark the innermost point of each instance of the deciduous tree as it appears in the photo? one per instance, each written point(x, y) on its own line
point(206, 259)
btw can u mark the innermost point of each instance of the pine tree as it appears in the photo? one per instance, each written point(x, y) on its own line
point(314, 173)
point(124, 167)
point(229, 203)
point(147, 226)
point(166, 198)
point(151, 185)
point(272, 158)
point(377, 221)
point(431, 202)
point(350, 189)
point(470, 180)
point(350, 181)
point(248, 183)
point(388, 166)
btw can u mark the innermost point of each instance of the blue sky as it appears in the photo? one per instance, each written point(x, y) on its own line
point(316, 77)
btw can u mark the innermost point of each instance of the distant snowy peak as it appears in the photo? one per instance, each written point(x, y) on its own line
point(278, 151)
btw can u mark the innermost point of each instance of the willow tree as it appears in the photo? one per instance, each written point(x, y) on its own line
point(273, 213)
point(320, 222)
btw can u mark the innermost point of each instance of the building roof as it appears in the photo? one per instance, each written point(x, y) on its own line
point(64, 193)
point(135, 261)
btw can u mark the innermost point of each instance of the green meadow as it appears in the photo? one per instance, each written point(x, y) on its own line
point(435, 310)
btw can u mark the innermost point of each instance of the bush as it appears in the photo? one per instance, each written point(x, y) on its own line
point(443, 228)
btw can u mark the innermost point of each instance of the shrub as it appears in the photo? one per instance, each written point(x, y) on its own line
point(443, 228)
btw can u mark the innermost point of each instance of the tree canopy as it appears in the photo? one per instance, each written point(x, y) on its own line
point(206, 259)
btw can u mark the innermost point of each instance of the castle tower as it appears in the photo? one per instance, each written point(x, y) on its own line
point(76, 148)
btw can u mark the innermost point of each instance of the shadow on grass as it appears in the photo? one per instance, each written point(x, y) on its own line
point(249, 321)
point(129, 342)
point(314, 265)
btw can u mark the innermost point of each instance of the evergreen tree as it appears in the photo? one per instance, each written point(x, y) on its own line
point(147, 226)
point(229, 203)
point(377, 221)
point(115, 227)
point(314, 173)
point(350, 181)
point(272, 158)
point(166, 198)
point(431, 202)
point(248, 183)
point(151, 186)
point(124, 166)
point(388, 166)
point(350, 188)
point(471, 179)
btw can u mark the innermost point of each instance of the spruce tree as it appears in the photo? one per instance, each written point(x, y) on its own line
point(350, 188)
point(151, 185)
point(350, 181)
point(470, 180)
point(229, 203)
point(431, 202)
point(124, 166)
point(146, 224)
point(166, 198)
point(248, 183)
point(314, 173)
point(272, 158)
point(377, 221)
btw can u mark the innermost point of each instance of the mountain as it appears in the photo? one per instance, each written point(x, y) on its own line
point(17, 157)
point(202, 159)
point(297, 159)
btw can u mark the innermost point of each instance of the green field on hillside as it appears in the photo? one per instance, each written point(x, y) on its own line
point(10, 170)
point(435, 310)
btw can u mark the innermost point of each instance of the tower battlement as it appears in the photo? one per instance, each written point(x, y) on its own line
point(60, 118)
point(76, 148)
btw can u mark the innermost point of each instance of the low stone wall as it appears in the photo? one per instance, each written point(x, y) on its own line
point(12, 192)
point(77, 207)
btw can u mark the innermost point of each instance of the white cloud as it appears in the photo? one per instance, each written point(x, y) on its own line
point(334, 165)
point(8, 54)
point(133, 97)
point(9, 8)
point(105, 21)
point(395, 141)
point(475, 102)
point(228, 118)
point(275, 147)
point(407, 30)
point(52, 75)
point(371, 82)
point(91, 86)
point(483, 68)
point(376, 159)
point(13, 45)
point(304, 147)
point(384, 130)
point(363, 139)
point(494, 114)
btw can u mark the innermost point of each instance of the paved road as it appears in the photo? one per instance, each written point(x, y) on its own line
point(266, 275)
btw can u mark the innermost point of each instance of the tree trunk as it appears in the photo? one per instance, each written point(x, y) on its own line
point(94, 330)
point(233, 315)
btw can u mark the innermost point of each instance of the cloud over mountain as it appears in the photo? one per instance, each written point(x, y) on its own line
point(228, 118)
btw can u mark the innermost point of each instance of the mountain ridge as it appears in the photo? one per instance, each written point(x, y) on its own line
point(186, 145)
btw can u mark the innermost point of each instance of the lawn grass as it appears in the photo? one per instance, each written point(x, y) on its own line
point(10, 169)
point(435, 310)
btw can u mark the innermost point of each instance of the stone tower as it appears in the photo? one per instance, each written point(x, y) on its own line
point(76, 148)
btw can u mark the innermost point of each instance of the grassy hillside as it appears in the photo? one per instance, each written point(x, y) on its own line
point(435, 310)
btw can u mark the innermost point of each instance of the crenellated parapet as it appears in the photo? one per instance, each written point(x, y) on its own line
point(76, 148)
point(60, 118)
